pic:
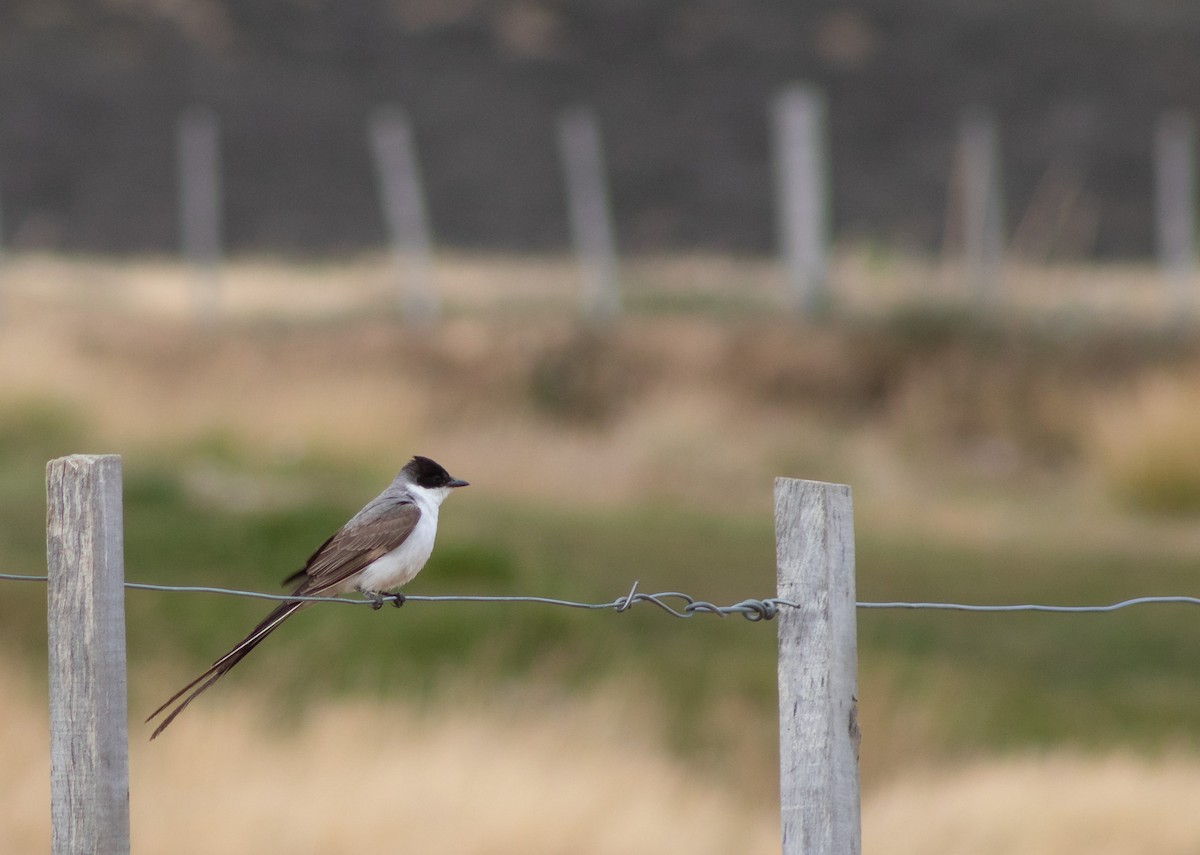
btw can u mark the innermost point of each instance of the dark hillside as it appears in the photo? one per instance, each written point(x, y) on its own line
point(89, 93)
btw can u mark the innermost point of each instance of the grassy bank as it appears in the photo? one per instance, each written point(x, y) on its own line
point(999, 461)
point(932, 682)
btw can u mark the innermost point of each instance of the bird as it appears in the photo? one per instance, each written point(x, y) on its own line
point(379, 549)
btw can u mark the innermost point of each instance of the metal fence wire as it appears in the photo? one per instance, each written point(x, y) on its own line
point(675, 603)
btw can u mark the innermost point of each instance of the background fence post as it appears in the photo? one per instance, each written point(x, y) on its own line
point(405, 211)
point(982, 202)
point(3, 269)
point(1175, 204)
point(589, 211)
point(89, 765)
point(802, 178)
point(200, 204)
point(818, 726)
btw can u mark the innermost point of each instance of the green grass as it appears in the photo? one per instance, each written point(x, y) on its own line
point(1020, 679)
point(990, 680)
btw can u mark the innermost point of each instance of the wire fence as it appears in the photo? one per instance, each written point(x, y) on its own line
point(675, 603)
point(814, 610)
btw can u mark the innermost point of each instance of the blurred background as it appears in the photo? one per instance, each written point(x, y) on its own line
point(618, 265)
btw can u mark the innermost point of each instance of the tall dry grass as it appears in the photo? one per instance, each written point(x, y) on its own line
point(912, 411)
point(503, 775)
point(866, 279)
point(1054, 804)
point(112, 343)
point(474, 775)
point(1144, 443)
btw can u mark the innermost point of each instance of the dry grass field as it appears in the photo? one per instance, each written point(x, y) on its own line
point(1059, 438)
point(527, 776)
point(315, 357)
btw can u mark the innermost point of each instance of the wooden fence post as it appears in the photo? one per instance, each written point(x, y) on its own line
point(3, 269)
point(982, 202)
point(1175, 204)
point(200, 203)
point(405, 211)
point(89, 765)
point(801, 169)
point(589, 212)
point(818, 725)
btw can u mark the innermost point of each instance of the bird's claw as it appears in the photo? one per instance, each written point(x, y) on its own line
point(378, 598)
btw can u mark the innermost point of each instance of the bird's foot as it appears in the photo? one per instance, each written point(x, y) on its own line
point(378, 598)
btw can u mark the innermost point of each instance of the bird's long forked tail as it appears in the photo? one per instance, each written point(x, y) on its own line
point(223, 665)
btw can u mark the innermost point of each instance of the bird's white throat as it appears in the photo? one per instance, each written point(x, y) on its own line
point(399, 566)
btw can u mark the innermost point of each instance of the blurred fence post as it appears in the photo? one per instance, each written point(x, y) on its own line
point(982, 202)
point(405, 211)
point(588, 211)
point(89, 766)
point(199, 156)
point(802, 192)
point(3, 268)
point(818, 724)
point(1175, 204)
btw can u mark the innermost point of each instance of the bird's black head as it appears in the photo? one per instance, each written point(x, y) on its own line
point(426, 473)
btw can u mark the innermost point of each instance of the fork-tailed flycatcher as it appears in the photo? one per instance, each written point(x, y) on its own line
point(382, 547)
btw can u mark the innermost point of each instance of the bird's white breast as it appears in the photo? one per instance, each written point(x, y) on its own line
point(399, 566)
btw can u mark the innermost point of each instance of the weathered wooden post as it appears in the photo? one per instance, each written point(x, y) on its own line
point(802, 178)
point(89, 766)
point(405, 212)
point(3, 266)
point(982, 193)
point(818, 725)
point(200, 204)
point(1175, 205)
point(589, 213)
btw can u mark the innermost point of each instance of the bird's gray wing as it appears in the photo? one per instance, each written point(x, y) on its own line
point(364, 539)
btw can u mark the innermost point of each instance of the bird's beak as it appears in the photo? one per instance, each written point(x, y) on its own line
point(458, 482)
